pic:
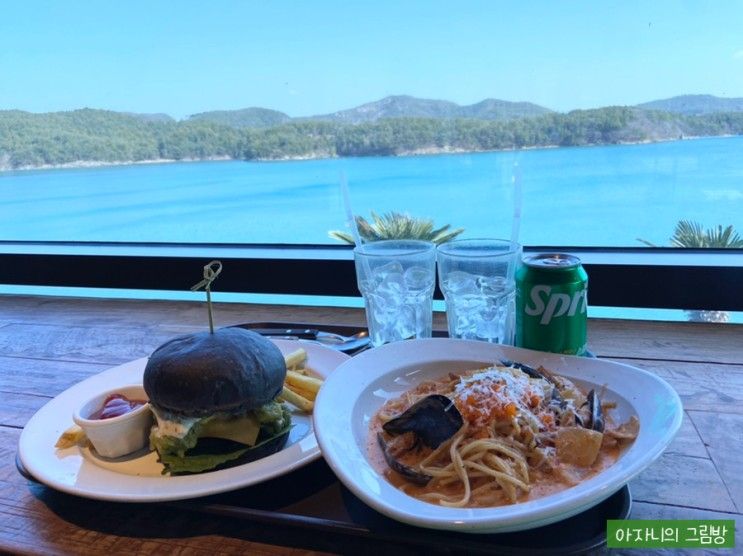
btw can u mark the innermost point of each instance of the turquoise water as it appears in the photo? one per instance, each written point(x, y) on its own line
point(574, 196)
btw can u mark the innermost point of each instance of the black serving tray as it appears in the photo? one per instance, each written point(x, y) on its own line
point(311, 501)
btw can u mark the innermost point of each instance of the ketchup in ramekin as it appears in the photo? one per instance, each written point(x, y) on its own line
point(117, 422)
point(117, 405)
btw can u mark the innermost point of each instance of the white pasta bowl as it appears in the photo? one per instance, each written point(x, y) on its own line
point(352, 395)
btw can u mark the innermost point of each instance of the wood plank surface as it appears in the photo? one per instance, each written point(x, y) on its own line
point(701, 386)
point(48, 344)
point(721, 433)
point(700, 342)
point(669, 481)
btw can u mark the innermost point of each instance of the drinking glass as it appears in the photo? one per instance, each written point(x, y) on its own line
point(396, 279)
point(477, 277)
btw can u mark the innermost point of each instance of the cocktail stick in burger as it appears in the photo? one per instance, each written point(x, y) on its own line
point(214, 399)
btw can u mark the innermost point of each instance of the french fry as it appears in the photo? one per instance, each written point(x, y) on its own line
point(71, 437)
point(300, 388)
point(306, 394)
point(297, 400)
point(305, 382)
point(295, 359)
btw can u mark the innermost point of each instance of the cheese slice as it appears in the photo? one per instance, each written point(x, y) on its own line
point(244, 429)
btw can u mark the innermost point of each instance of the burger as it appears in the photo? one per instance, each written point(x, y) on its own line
point(213, 396)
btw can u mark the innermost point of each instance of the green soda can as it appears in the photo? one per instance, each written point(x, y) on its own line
point(551, 304)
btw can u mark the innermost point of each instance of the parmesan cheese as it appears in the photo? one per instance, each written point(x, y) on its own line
point(499, 393)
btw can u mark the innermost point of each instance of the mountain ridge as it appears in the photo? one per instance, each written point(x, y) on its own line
point(489, 109)
point(694, 105)
point(406, 106)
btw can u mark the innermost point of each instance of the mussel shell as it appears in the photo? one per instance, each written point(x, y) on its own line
point(434, 419)
point(531, 371)
point(406, 471)
point(557, 400)
point(597, 417)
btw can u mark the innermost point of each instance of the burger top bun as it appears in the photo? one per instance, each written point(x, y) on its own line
point(230, 370)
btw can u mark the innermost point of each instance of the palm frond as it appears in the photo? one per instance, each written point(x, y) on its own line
point(341, 236)
point(691, 234)
point(646, 242)
point(396, 225)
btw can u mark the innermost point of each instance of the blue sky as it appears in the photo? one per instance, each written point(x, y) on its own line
point(313, 57)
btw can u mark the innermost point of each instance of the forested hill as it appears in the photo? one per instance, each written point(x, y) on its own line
point(247, 117)
point(398, 106)
point(98, 136)
point(403, 106)
point(695, 104)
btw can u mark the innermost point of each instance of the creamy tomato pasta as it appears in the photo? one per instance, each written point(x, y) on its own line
point(494, 436)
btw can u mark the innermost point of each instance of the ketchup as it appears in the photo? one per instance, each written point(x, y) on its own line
point(117, 405)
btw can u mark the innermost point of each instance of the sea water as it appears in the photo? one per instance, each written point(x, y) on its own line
point(585, 196)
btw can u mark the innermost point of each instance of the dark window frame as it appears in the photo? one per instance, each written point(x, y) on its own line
point(657, 278)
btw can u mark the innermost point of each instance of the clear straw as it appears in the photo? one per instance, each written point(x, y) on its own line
point(516, 220)
point(349, 213)
point(352, 222)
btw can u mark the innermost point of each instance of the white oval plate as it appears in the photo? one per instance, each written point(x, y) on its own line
point(352, 395)
point(138, 478)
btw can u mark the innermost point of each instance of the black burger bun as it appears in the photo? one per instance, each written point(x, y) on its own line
point(231, 370)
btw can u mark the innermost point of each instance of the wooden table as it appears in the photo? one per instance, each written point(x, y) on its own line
point(49, 344)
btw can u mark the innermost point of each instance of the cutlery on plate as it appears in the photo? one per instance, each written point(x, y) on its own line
point(330, 339)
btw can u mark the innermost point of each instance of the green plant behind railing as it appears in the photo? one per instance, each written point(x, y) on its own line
point(690, 234)
point(396, 225)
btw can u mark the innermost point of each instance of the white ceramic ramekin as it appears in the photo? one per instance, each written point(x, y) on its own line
point(120, 435)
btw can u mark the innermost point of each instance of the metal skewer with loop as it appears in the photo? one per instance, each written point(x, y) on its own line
point(211, 271)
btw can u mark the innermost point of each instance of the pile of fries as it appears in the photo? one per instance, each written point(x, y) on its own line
point(300, 388)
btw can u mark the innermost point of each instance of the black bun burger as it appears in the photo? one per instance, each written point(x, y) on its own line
point(214, 399)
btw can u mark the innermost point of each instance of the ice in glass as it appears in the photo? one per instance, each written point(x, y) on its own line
point(396, 279)
point(477, 279)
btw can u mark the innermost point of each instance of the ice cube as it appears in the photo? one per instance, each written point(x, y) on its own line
point(492, 285)
point(418, 278)
point(392, 287)
point(460, 283)
point(380, 273)
point(404, 328)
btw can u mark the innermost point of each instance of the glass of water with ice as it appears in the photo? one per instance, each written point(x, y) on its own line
point(477, 278)
point(396, 279)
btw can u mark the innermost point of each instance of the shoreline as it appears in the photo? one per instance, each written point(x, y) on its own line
point(423, 151)
point(78, 164)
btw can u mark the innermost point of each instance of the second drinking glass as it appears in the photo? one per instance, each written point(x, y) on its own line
point(477, 279)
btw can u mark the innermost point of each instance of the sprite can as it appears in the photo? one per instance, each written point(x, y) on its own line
point(551, 304)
